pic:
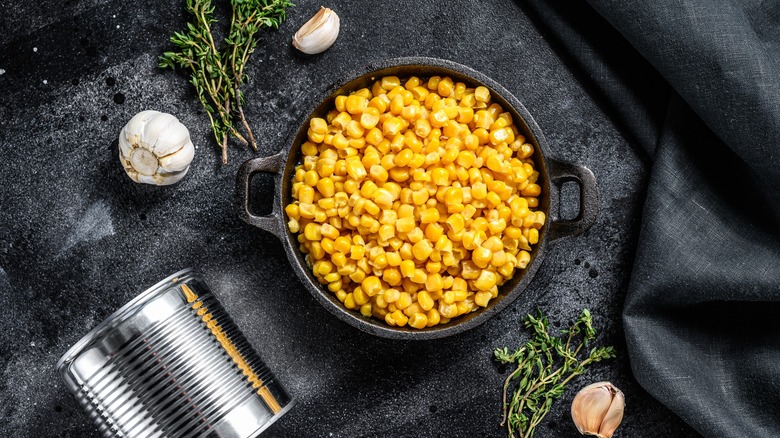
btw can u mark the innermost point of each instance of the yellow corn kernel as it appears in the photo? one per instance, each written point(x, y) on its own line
point(407, 268)
point(434, 231)
point(453, 196)
point(405, 224)
point(434, 282)
point(371, 285)
point(465, 115)
point(415, 235)
point(533, 236)
point(329, 231)
point(523, 258)
point(425, 300)
point(366, 310)
point(391, 276)
point(306, 210)
point(499, 259)
point(355, 129)
point(393, 258)
point(306, 195)
point(339, 259)
point(404, 300)
point(312, 232)
point(391, 295)
point(531, 190)
point(356, 170)
point(418, 320)
point(445, 87)
point(434, 317)
point(482, 94)
point(292, 211)
point(327, 204)
point(440, 176)
point(391, 126)
point(293, 225)
point(311, 178)
point(421, 250)
point(419, 276)
point(481, 256)
point(342, 244)
point(493, 243)
point(357, 275)
point(403, 157)
point(369, 118)
point(419, 197)
point(336, 285)
point(349, 302)
point(357, 252)
point(390, 82)
point(411, 112)
point(388, 217)
point(438, 119)
point(386, 232)
point(455, 221)
point(399, 318)
point(318, 125)
point(326, 187)
point(486, 280)
point(496, 226)
point(383, 198)
point(355, 104)
point(493, 199)
point(399, 174)
point(417, 161)
point(429, 215)
point(406, 251)
point(396, 104)
point(448, 310)
point(482, 298)
point(378, 173)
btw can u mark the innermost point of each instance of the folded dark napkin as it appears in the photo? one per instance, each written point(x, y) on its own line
point(696, 84)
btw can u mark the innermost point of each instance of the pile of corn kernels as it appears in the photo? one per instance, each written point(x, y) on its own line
point(415, 200)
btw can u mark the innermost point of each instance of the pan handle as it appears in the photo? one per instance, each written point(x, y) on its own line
point(271, 223)
point(560, 172)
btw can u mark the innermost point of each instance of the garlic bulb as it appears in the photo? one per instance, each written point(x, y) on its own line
point(598, 409)
point(155, 148)
point(319, 33)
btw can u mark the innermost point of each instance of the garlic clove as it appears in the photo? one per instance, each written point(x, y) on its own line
point(135, 127)
point(170, 141)
point(598, 409)
point(179, 160)
point(319, 33)
point(155, 128)
point(165, 179)
point(614, 415)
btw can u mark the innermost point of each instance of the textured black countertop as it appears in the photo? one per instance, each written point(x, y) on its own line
point(78, 239)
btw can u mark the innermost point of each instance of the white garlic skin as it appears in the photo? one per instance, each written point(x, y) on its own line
point(155, 148)
point(319, 33)
point(597, 409)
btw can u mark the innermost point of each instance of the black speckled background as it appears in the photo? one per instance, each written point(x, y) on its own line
point(78, 239)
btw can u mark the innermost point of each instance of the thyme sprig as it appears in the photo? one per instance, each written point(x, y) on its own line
point(217, 71)
point(544, 366)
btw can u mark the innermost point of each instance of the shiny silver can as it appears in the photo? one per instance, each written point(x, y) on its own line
point(171, 363)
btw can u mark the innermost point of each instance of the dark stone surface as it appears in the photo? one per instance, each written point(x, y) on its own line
point(79, 239)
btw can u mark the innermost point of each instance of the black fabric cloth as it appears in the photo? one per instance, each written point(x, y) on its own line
point(696, 85)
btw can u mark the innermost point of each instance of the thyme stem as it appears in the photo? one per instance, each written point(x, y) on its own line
point(544, 367)
point(217, 71)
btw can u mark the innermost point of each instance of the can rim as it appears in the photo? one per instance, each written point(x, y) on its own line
point(92, 334)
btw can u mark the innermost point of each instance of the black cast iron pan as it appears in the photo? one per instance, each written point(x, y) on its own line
point(552, 173)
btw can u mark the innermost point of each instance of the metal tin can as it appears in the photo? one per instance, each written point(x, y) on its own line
point(171, 363)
